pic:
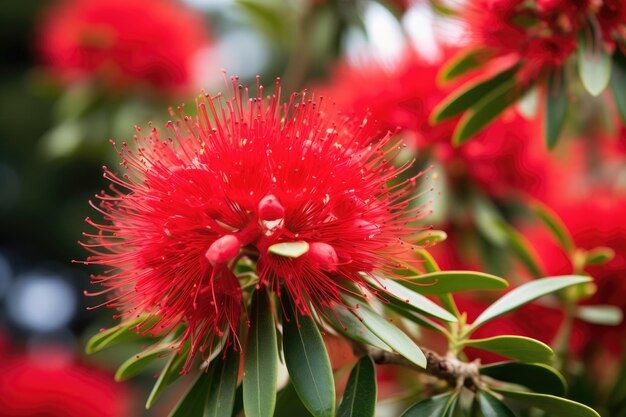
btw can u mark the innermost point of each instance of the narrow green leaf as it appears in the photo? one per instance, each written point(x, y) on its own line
point(289, 249)
point(350, 326)
point(537, 377)
point(515, 347)
point(428, 262)
point(192, 403)
point(487, 217)
point(170, 373)
point(308, 363)
point(606, 315)
point(288, 404)
point(555, 225)
point(390, 334)
point(403, 310)
point(428, 237)
point(260, 368)
point(522, 249)
point(432, 407)
point(114, 335)
point(618, 83)
point(220, 399)
point(599, 256)
point(135, 364)
point(469, 94)
point(549, 403)
point(359, 398)
point(487, 110)
point(463, 62)
point(412, 299)
point(445, 282)
point(526, 293)
point(492, 407)
point(556, 107)
point(594, 64)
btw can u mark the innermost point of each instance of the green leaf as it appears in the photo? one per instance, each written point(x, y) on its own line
point(537, 377)
point(134, 365)
point(493, 407)
point(308, 363)
point(350, 326)
point(390, 334)
point(445, 282)
point(289, 249)
point(412, 299)
point(606, 315)
point(526, 293)
point(288, 404)
point(359, 398)
point(427, 261)
point(408, 313)
point(469, 94)
point(550, 404)
point(487, 110)
point(220, 400)
point(599, 256)
point(487, 218)
point(555, 225)
point(463, 62)
point(428, 238)
point(594, 64)
point(618, 83)
point(432, 407)
point(192, 404)
point(515, 347)
point(114, 335)
point(556, 107)
point(170, 373)
point(521, 248)
point(260, 370)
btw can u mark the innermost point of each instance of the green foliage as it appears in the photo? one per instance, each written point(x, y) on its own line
point(260, 370)
point(535, 376)
point(594, 63)
point(463, 62)
point(170, 373)
point(556, 107)
point(308, 363)
point(220, 397)
point(515, 347)
point(438, 406)
point(526, 293)
point(490, 406)
point(120, 333)
point(289, 249)
point(359, 398)
point(446, 282)
point(557, 406)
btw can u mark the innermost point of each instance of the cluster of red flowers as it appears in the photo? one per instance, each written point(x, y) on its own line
point(542, 35)
point(122, 43)
point(501, 159)
point(312, 197)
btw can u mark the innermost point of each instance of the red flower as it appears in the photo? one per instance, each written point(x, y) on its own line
point(501, 159)
point(122, 42)
point(233, 181)
point(51, 385)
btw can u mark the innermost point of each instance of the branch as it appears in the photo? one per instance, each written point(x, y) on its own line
point(449, 369)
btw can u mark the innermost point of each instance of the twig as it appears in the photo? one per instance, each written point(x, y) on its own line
point(448, 368)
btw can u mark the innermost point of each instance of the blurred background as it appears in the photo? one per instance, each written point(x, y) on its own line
point(79, 73)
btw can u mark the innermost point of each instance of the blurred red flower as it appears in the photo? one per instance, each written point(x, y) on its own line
point(237, 179)
point(50, 384)
point(122, 43)
point(501, 159)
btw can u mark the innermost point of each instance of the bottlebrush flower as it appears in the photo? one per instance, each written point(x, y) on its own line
point(240, 177)
point(121, 43)
point(501, 159)
point(52, 385)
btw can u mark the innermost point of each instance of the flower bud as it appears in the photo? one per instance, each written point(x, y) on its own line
point(223, 249)
point(270, 208)
point(324, 255)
